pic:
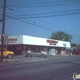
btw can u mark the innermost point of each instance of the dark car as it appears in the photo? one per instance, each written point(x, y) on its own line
point(69, 51)
point(76, 52)
point(73, 52)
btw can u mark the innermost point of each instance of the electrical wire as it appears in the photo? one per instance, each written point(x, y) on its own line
point(29, 15)
point(48, 26)
point(45, 16)
point(36, 25)
point(30, 23)
point(52, 15)
point(44, 3)
point(51, 12)
point(49, 15)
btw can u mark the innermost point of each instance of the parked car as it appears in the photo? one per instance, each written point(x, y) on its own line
point(76, 52)
point(7, 54)
point(73, 52)
point(69, 51)
point(37, 53)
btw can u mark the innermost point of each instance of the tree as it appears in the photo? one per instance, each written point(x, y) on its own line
point(73, 45)
point(61, 35)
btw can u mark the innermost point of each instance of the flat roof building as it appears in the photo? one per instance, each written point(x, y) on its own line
point(24, 43)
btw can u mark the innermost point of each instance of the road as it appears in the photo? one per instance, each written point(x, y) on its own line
point(56, 68)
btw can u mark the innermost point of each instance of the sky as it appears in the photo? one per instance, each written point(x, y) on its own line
point(42, 17)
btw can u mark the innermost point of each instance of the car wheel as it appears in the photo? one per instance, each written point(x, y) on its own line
point(29, 55)
point(42, 55)
point(10, 56)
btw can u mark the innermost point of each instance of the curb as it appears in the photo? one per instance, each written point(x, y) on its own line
point(8, 61)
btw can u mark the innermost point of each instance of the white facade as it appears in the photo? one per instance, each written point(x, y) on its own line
point(30, 40)
point(18, 39)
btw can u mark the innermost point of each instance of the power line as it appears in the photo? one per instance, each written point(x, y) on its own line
point(64, 14)
point(50, 12)
point(35, 25)
point(44, 12)
point(54, 2)
point(45, 5)
point(53, 15)
point(50, 15)
point(30, 16)
point(38, 23)
point(30, 23)
point(46, 26)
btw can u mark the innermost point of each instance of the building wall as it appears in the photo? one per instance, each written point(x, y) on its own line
point(22, 43)
point(43, 42)
point(30, 40)
point(17, 49)
point(18, 39)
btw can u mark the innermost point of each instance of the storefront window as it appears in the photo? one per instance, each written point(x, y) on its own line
point(29, 48)
point(40, 48)
point(24, 47)
point(18, 48)
point(45, 48)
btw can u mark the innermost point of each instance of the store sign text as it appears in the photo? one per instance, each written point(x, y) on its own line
point(52, 42)
point(11, 40)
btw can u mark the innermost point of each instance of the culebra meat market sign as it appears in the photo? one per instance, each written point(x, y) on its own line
point(52, 42)
point(11, 40)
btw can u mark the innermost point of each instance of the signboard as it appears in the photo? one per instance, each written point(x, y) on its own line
point(52, 42)
point(11, 40)
point(64, 44)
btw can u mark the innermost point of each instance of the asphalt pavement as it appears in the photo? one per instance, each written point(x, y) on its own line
point(54, 68)
point(20, 58)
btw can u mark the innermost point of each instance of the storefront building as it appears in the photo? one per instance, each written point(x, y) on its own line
point(21, 44)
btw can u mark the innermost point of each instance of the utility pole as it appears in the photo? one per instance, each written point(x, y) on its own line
point(6, 41)
point(3, 30)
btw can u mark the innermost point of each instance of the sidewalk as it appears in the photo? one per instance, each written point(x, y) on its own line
point(60, 55)
point(22, 59)
point(5, 61)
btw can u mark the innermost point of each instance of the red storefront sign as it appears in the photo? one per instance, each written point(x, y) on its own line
point(52, 42)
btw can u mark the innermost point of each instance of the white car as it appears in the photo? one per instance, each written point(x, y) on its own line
point(37, 53)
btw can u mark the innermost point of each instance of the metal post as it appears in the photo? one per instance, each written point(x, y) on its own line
point(3, 30)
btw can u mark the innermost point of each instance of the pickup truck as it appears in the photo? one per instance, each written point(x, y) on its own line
point(7, 54)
